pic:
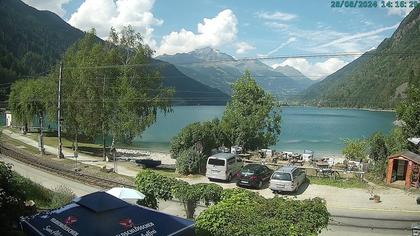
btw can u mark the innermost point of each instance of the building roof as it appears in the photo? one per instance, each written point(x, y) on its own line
point(407, 155)
point(414, 140)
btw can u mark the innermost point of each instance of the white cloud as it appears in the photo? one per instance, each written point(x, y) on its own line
point(276, 16)
point(276, 25)
point(400, 11)
point(289, 41)
point(316, 70)
point(357, 36)
point(102, 14)
point(55, 6)
point(327, 40)
point(243, 47)
point(212, 32)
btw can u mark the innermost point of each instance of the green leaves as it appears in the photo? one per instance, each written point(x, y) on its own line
point(409, 111)
point(154, 186)
point(252, 118)
point(190, 162)
point(242, 212)
point(208, 135)
point(355, 149)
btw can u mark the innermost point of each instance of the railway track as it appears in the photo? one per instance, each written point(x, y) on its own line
point(19, 155)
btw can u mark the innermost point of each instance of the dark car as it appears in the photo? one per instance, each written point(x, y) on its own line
point(254, 175)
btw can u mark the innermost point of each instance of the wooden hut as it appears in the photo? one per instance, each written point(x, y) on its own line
point(404, 166)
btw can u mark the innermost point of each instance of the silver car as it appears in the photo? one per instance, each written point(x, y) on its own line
point(287, 179)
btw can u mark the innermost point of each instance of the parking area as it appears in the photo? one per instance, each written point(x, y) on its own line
point(339, 198)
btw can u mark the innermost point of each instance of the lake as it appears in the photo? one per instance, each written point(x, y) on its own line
point(322, 130)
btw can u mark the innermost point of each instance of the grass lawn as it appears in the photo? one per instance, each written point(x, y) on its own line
point(44, 198)
point(84, 147)
point(339, 183)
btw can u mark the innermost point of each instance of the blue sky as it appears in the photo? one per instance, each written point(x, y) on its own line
point(246, 28)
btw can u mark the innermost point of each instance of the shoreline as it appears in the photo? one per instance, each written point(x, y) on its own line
point(326, 153)
point(322, 107)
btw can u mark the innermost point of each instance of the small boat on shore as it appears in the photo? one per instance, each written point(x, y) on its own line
point(148, 163)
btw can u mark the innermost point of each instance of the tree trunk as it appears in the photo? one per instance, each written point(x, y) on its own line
point(189, 207)
point(76, 149)
point(41, 134)
point(25, 128)
point(103, 146)
point(113, 153)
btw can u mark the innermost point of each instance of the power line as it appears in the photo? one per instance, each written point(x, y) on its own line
point(342, 54)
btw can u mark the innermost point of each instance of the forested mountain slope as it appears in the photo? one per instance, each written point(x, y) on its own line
point(31, 41)
point(378, 78)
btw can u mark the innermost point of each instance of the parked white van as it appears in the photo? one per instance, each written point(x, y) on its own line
point(223, 166)
point(287, 179)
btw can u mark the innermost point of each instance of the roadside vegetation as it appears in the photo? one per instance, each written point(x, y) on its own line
point(20, 196)
point(242, 212)
point(157, 187)
point(236, 211)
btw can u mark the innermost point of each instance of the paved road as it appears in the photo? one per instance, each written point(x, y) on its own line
point(334, 230)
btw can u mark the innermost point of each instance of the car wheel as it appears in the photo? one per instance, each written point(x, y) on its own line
point(229, 178)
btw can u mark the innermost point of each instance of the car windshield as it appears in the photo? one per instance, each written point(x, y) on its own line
point(250, 169)
point(282, 176)
point(216, 162)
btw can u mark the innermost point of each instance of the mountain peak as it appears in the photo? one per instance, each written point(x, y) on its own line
point(291, 72)
point(210, 54)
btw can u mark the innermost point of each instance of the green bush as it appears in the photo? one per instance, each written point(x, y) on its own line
point(189, 195)
point(62, 196)
point(208, 134)
point(33, 191)
point(210, 193)
point(242, 212)
point(190, 162)
point(12, 198)
point(154, 186)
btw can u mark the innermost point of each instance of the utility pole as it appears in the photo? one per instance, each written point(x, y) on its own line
point(60, 144)
point(103, 121)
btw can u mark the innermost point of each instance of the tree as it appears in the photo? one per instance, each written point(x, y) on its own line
point(378, 149)
point(28, 100)
point(138, 89)
point(111, 88)
point(190, 162)
point(408, 110)
point(201, 135)
point(378, 153)
point(154, 186)
point(355, 149)
point(395, 141)
point(190, 195)
point(241, 212)
point(252, 118)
